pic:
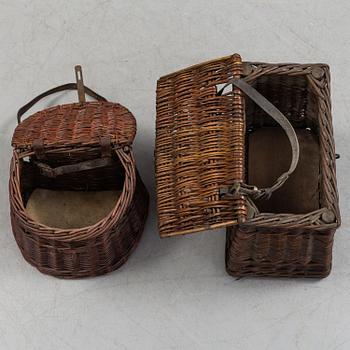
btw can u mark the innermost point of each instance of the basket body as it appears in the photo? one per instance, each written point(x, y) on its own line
point(71, 145)
point(292, 244)
point(208, 137)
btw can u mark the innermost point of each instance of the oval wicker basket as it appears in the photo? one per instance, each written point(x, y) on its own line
point(83, 146)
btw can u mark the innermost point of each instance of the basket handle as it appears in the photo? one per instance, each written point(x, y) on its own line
point(79, 86)
point(278, 116)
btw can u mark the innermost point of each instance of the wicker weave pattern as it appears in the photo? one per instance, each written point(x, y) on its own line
point(199, 148)
point(89, 251)
point(91, 142)
point(76, 125)
point(287, 244)
point(279, 253)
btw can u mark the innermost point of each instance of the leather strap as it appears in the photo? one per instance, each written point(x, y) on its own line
point(48, 171)
point(69, 86)
point(38, 148)
point(106, 143)
point(278, 116)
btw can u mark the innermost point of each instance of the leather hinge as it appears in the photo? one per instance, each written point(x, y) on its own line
point(73, 168)
point(106, 147)
point(38, 148)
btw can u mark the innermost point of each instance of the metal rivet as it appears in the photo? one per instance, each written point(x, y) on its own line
point(328, 216)
point(247, 68)
point(317, 72)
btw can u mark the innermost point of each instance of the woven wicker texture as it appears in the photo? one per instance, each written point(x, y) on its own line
point(89, 251)
point(279, 252)
point(202, 146)
point(199, 148)
point(287, 244)
point(76, 124)
point(91, 144)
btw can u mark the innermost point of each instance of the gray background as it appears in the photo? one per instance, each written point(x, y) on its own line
point(172, 293)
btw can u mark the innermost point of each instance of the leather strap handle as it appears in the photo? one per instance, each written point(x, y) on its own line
point(69, 86)
point(278, 116)
point(50, 172)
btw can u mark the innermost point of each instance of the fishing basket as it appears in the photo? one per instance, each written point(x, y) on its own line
point(249, 146)
point(78, 205)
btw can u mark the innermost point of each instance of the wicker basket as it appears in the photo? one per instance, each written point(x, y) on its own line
point(219, 128)
point(85, 146)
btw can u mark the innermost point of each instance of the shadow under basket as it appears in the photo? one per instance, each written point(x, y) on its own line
point(226, 131)
point(78, 205)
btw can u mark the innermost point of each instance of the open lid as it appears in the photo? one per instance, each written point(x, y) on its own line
point(76, 124)
point(200, 147)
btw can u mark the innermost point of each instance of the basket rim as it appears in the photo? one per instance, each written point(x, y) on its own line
point(311, 220)
point(227, 57)
point(74, 235)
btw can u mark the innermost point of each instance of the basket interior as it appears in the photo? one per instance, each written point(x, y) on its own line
point(269, 151)
point(72, 200)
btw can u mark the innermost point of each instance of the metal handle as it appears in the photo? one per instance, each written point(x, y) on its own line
point(80, 83)
point(82, 90)
point(278, 116)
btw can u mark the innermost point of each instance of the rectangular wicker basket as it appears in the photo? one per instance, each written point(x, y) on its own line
point(217, 130)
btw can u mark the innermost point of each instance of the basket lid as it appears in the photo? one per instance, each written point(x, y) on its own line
point(200, 147)
point(75, 124)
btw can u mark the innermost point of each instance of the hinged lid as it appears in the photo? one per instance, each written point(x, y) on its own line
point(200, 147)
point(76, 124)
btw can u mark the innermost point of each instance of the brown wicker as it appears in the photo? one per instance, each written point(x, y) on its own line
point(77, 147)
point(202, 147)
point(199, 147)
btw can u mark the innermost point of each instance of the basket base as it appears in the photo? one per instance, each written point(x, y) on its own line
point(70, 209)
point(278, 254)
